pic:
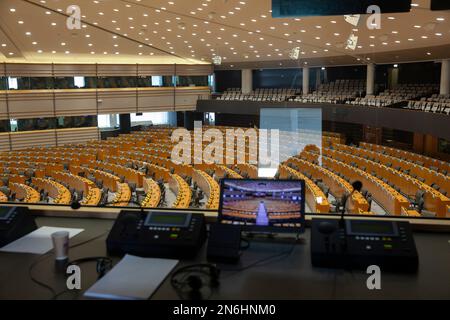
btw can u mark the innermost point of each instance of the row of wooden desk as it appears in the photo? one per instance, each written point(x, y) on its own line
point(315, 198)
point(59, 193)
point(434, 200)
point(338, 186)
point(402, 154)
point(24, 192)
point(428, 176)
point(153, 194)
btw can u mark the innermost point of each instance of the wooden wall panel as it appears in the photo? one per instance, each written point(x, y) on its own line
point(3, 106)
point(155, 100)
point(31, 104)
point(4, 142)
point(156, 70)
point(75, 103)
point(28, 70)
point(117, 101)
point(70, 70)
point(22, 140)
point(77, 135)
point(117, 70)
point(194, 70)
point(186, 98)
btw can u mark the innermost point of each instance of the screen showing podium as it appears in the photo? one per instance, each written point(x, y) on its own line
point(263, 205)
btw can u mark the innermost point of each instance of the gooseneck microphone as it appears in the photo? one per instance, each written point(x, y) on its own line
point(357, 186)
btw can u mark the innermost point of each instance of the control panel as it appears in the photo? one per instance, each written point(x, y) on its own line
point(164, 234)
point(361, 243)
point(15, 222)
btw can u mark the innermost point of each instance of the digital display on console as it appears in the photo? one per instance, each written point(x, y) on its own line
point(5, 213)
point(163, 219)
point(372, 228)
point(263, 205)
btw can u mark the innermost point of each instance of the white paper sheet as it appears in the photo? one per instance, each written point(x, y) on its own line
point(38, 241)
point(133, 278)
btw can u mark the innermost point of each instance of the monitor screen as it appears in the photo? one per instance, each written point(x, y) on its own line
point(263, 205)
point(6, 212)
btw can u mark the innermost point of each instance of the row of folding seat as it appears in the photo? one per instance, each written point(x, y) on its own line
point(435, 107)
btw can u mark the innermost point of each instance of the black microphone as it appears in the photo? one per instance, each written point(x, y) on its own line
point(75, 205)
point(357, 186)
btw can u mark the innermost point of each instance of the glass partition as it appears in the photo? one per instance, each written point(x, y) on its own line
point(5, 125)
point(192, 81)
point(82, 82)
point(35, 124)
point(444, 146)
point(77, 82)
point(3, 83)
point(117, 82)
point(76, 122)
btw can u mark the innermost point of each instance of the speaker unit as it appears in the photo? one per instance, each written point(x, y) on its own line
point(224, 243)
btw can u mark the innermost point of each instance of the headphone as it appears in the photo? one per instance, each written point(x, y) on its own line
point(188, 281)
point(103, 264)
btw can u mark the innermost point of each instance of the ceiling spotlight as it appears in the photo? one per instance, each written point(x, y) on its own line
point(211, 15)
point(294, 54)
point(217, 60)
point(352, 19)
point(352, 42)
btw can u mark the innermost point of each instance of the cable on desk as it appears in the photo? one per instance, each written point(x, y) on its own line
point(46, 256)
point(247, 244)
point(264, 261)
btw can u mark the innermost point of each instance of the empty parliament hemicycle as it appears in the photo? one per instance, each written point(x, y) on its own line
point(286, 142)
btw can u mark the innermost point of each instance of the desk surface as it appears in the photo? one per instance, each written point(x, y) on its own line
point(289, 277)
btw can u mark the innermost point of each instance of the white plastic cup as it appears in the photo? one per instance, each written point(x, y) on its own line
point(61, 245)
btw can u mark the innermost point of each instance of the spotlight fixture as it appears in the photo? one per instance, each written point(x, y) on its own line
point(352, 19)
point(294, 54)
point(352, 42)
point(217, 60)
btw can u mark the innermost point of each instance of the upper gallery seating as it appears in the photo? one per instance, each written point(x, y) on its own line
point(353, 92)
point(339, 91)
point(401, 93)
point(436, 104)
point(259, 95)
point(137, 169)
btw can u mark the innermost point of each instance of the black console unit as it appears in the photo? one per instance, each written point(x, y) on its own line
point(164, 234)
point(357, 244)
point(15, 222)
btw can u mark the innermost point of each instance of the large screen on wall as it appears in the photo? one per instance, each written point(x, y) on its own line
point(305, 8)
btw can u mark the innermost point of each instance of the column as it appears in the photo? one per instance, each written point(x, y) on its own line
point(318, 78)
point(247, 81)
point(370, 79)
point(305, 80)
point(125, 123)
point(445, 77)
